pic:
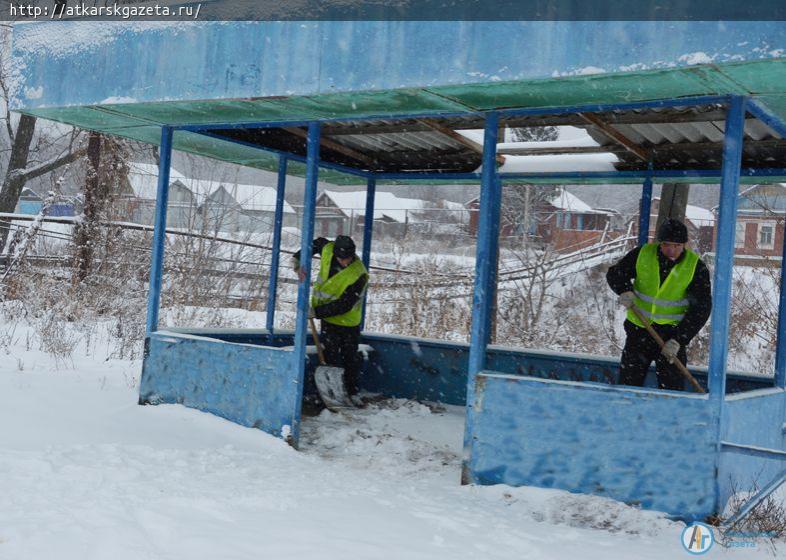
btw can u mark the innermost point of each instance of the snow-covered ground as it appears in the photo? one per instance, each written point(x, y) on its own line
point(86, 473)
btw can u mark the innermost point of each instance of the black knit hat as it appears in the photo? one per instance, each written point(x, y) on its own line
point(673, 231)
point(343, 247)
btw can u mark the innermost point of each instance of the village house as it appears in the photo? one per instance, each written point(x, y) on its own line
point(394, 216)
point(31, 203)
point(562, 220)
point(760, 223)
point(699, 221)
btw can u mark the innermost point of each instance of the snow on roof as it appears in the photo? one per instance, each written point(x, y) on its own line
point(569, 143)
point(386, 205)
point(699, 216)
point(559, 163)
point(256, 197)
point(696, 215)
point(143, 178)
point(570, 202)
point(29, 193)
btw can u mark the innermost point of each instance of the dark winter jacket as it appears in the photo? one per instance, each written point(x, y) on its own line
point(699, 293)
point(350, 296)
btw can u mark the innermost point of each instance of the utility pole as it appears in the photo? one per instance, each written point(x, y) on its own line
point(673, 202)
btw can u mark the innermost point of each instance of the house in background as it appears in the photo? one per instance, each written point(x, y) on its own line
point(761, 210)
point(258, 207)
point(569, 224)
point(219, 206)
point(137, 198)
point(699, 221)
point(563, 221)
point(394, 216)
point(242, 208)
point(30, 202)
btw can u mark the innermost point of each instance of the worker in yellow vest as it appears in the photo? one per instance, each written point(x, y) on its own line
point(337, 300)
point(670, 286)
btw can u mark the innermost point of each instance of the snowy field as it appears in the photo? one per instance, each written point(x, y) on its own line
point(86, 473)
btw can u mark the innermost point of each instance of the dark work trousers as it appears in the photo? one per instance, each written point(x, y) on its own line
point(639, 352)
point(340, 345)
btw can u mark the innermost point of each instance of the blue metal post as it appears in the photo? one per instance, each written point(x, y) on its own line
point(780, 346)
point(159, 231)
point(730, 179)
point(724, 262)
point(309, 210)
point(481, 302)
point(368, 227)
point(484, 261)
point(491, 291)
point(274, 257)
point(645, 209)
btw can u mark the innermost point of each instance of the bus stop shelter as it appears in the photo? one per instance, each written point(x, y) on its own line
point(310, 99)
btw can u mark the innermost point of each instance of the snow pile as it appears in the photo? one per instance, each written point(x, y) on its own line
point(87, 473)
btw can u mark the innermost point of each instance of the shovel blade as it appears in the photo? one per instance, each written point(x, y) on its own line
point(330, 384)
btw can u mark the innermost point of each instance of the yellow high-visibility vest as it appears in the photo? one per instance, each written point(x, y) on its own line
point(664, 304)
point(328, 289)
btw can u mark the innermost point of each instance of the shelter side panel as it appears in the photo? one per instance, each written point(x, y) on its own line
point(654, 449)
point(251, 385)
point(757, 420)
point(411, 368)
point(426, 369)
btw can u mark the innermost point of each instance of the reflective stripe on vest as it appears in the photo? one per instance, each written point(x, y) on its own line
point(664, 304)
point(330, 288)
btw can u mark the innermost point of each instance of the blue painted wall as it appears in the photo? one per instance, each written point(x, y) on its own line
point(756, 419)
point(643, 447)
point(29, 207)
point(80, 63)
point(424, 369)
point(648, 447)
point(250, 385)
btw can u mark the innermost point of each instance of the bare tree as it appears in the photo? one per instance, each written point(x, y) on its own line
point(535, 134)
point(106, 170)
point(19, 169)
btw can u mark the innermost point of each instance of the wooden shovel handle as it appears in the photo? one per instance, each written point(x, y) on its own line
point(680, 366)
point(316, 340)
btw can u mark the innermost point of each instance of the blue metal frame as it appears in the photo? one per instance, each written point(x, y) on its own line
point(780, 345)
point(159, 231)
point(776, 124)
point(485, 261)
point(309, 210)
point(481, 304)
point(722, 280)
point(289, 155)
point(368, 230)
point(645, 208)
point(491, 292)
point(767, 117)
point(730, 179)
point(275, 255)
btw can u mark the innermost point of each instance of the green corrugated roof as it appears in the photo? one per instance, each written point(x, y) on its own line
point(764, 79)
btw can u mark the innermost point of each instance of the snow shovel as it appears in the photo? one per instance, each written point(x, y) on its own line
point(329, 379)
point(680, 366)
